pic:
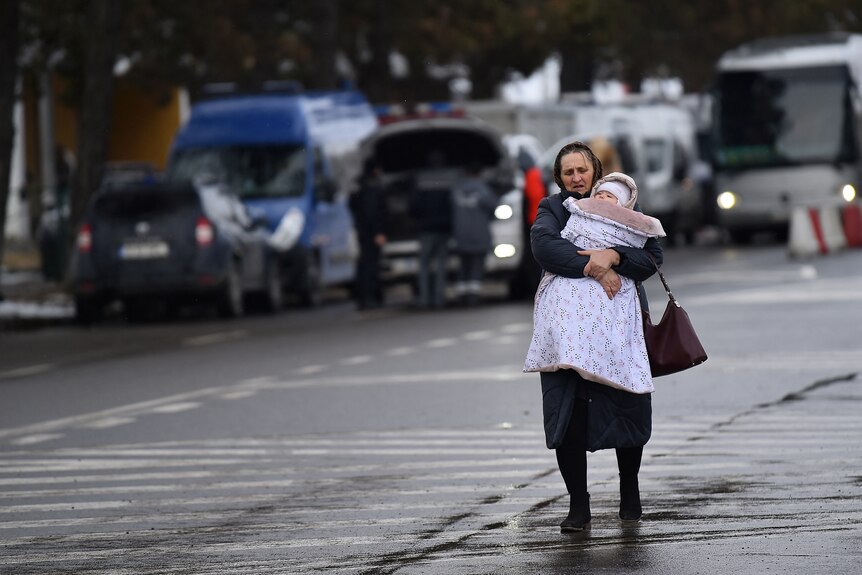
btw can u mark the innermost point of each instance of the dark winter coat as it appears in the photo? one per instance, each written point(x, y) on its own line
point(626, 418)
point(432, 209)
point(473, 205)
point(368, 211)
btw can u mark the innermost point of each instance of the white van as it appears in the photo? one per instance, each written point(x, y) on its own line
point(656, 145)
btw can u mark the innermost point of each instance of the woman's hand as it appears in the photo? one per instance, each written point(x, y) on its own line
point(610, 282)
point(601, 262)
point(600, 268)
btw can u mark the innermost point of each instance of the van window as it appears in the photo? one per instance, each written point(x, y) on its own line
point(680, 162)
point(319, 166)
point(322, 188)
point(253, 171)
point(654, 154)
point(784, 117)
point(626, 152)
point(145, 202)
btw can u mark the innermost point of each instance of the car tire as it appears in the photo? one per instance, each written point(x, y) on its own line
point(139, 309)
point(739, 237)
point(230, 299)
point(311, 290)
point(87, 310)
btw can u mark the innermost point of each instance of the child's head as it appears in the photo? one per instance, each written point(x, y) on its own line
point(616, 188)
point(606, 195)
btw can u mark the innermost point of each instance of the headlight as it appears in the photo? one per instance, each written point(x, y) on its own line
point(504, 250)
point(848, 192)
point(726, 200)
point(288, 231)
point(503, 212)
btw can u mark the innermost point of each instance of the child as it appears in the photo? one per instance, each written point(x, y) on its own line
point(575, 325)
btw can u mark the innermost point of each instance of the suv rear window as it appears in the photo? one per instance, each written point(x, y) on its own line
point(414, 150)
point(144, 202)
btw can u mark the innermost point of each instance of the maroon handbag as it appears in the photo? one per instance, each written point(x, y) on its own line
point(672, 344)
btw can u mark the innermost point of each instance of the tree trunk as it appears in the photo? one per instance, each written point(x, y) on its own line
point(577, 70)
point(325, 44)
point(9, 10)
point(374, 76)
point(94, 123)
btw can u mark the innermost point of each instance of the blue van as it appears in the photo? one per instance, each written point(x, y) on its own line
point(292, 159)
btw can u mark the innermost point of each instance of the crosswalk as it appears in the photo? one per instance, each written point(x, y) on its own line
point(419, 500)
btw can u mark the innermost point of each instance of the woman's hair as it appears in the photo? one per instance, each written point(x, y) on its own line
point(576, 147)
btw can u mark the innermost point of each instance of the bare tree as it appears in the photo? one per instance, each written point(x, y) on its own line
point(9, 11)
point(95, 113)
point(325, 43)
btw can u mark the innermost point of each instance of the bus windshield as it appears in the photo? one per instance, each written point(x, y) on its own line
point(253, 171)
point(783, 117)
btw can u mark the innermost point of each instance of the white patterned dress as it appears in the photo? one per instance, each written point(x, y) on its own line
point(575, 325)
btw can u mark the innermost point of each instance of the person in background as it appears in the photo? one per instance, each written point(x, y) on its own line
point(431, 206)
point(369, 217)
point(623, 419)
point(534, 187)
point(534, 192)
point(473, 205)
point(607, 154)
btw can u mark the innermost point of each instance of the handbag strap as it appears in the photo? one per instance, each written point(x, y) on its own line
point(663, 281)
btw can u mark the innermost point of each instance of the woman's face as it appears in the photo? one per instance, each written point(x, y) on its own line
point(576, 172)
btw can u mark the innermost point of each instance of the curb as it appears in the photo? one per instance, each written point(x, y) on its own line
point(28, 301)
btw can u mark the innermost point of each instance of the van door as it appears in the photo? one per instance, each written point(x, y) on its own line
point(659, 194)
point(334, 234)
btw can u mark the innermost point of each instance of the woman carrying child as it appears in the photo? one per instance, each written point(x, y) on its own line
point(618, 419)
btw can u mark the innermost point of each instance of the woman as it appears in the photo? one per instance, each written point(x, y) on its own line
point(617, 418)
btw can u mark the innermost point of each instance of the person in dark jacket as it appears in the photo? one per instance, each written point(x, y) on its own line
point(369, 215)
point(430, 204)
point(473, 205)
point(580, 415)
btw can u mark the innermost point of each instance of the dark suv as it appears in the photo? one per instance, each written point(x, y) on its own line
point(171, 243)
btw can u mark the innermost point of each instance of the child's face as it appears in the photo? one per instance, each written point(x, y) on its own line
point(606, 196)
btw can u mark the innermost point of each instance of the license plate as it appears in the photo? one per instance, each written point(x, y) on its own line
point(144, 250)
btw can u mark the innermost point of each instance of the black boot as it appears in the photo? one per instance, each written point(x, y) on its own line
point(579, 514)
point(630, 498)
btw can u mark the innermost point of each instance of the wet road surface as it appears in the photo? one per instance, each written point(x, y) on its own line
point(777, 488)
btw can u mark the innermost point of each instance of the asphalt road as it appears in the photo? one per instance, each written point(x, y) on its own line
point(402, 442)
